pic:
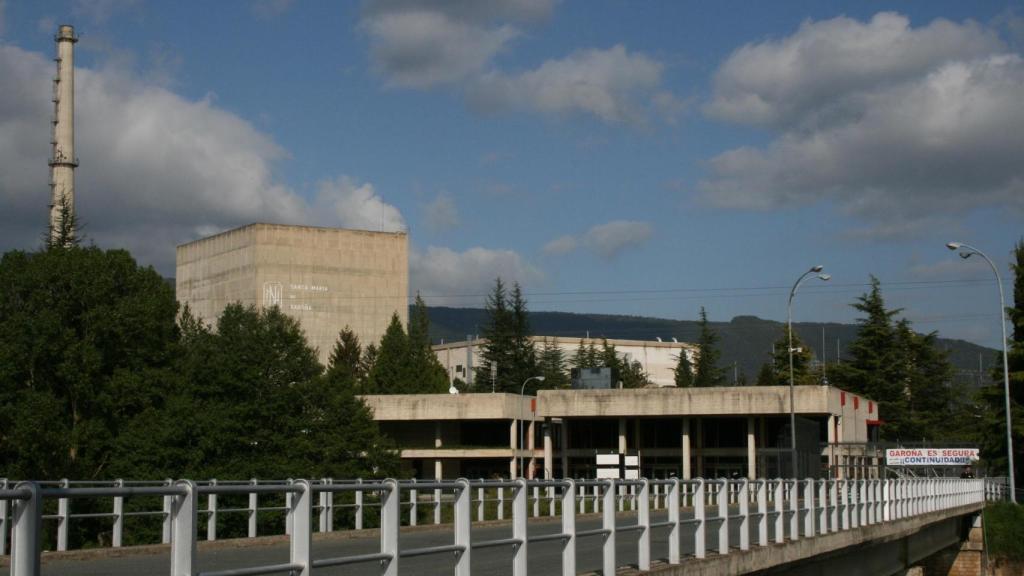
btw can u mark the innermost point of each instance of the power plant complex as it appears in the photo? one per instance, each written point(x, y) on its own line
point(330, 278)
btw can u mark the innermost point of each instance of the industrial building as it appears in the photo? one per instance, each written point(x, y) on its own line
point(326, 278)
point(682, 432)
point(659, 359)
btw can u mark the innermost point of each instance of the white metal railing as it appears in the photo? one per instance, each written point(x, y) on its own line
point(792, 509)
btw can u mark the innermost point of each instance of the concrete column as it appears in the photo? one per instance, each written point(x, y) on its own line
point(513, 442)
point(549, 458)
point(686, 448)
point(565, 448)
point(699, 435)
point(438, 468)
point(622, 435)
point(831, 445)
point(751, 449)
point(531, 446)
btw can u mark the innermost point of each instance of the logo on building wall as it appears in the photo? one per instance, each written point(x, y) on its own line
point(272, 292)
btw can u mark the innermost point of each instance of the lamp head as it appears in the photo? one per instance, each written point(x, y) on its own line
point(817, 268)
point(953, 245)
point(825, 277)
point(539, 378)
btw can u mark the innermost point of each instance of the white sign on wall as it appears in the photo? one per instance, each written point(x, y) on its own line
point(931, 456)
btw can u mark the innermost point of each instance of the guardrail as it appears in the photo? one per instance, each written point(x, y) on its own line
point(793, 509)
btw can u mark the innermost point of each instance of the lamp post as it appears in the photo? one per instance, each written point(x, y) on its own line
point(789, 329)
point(967, 252)
point(522, 392)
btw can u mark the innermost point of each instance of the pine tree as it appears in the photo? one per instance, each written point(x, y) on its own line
point(523, 353)
point(802, 374)
point(65, 235)
point(344, 368)
point(993, 396)
point(684, 371)
point(390, 371)
point(707, 372)
point(425, 374)
point(579, 359)
point(552, 365)
point(509, 345)
point(497, 334)
point(874, 368)
point(766, 376)
point(367, 362)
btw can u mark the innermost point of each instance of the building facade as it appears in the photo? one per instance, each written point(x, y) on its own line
point(326, 278)
point(659, 359)
point(682, 432)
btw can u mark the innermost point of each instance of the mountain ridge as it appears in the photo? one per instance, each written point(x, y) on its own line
point(745, 341)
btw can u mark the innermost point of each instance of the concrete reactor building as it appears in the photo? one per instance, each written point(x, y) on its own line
point(326, 278)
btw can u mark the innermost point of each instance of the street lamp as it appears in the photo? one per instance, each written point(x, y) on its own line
point(967, 252)
point(789, 329)
point(522, 392)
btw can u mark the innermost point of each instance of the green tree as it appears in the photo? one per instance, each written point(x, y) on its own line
point(874, 367)
point(802, 373)
point(390, 372)
point(629, 373)
point(497, 334)
point(345, 368)
point(552, 365)
point(86, 340)
point(508, 343)
point(766, 376)
point(707, 371)
point(683, 371)
point(992, 398)
point(425, 375)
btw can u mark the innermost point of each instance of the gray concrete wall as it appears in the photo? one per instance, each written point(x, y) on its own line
point(327, 278)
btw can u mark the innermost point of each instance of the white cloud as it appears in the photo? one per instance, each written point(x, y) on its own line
point(156, 169)
point(449, 278)
point(420, 49)
point(356, 206)
point(440, 214)
point(419, 44)
point(928, 126)
point(424, 43)
point(606, 240)
point(560, 245)
point(613, 85)
point(808, 76)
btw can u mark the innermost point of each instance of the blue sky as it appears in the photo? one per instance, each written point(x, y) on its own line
point(616, 157)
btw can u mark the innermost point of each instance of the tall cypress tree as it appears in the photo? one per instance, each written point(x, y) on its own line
point(707, 372)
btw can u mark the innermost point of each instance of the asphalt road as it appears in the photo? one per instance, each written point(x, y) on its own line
point(544, 557)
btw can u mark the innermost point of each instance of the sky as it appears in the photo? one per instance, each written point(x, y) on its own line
point(644, 158)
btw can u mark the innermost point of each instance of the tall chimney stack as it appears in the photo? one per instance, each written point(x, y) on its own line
point(63, 160)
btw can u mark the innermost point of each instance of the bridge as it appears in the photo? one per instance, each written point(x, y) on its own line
point(662, 526)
